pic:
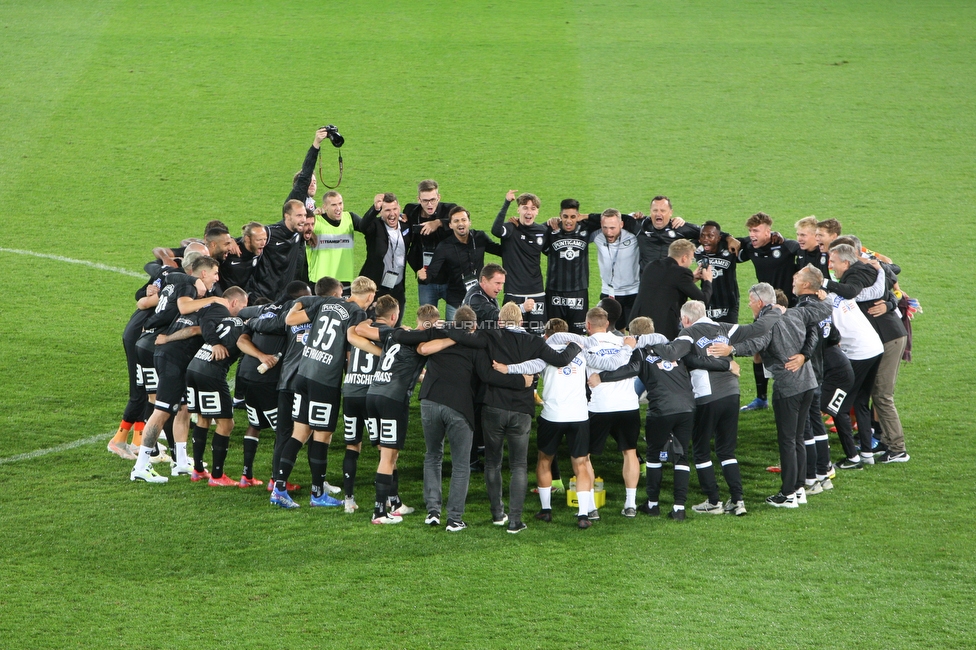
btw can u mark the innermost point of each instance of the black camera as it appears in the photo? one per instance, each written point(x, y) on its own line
point(704, 262)
point(332, 133)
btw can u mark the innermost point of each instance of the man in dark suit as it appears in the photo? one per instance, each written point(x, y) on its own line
point(387, 237)
point(667, 283)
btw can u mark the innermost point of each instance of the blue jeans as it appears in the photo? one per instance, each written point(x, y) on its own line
point(429, 294)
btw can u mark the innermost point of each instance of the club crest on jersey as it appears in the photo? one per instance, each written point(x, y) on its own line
point(538, 240)
point(569, 254)
point(667, 366)
point(725, 253)
point(672, 234)
point(777, 253)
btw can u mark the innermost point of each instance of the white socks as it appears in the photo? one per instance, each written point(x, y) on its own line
point(545, 497)
point(181, 458)
point(630, 501)
point(144, 458)
point(586, 502)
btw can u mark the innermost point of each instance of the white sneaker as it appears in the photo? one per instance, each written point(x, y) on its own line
point(737, 508)
point(330, 489)
point(801, 496)
point(816, 488)
point(709, 508)
point(181, 470)
point(387, 519)
point(148, 475)
point(350, 505)
point(827, 484)
point(867, 459)
point(404, 509)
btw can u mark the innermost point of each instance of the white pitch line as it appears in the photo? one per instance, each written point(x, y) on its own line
point(61, 258)
point(53, 450)
point(84, 441)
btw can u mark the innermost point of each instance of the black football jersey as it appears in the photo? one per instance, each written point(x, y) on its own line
point(399, 367)
point(568, 268)
point(217, 327)
point(324, 356)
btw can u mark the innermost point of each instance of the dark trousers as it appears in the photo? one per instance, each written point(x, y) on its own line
point(501, 426)
point(791, 417)
point(718, 420)
point(657, 432)
point(859, 397)
point(135, 408)
point(284, 428)
point(762, 383)
point(812, 432)
point(398, 292)
point(837, 385)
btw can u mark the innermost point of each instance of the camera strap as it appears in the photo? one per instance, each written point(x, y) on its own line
point(331, 187)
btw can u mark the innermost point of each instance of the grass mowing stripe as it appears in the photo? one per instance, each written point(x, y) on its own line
point(62, 258)
point(54, 450)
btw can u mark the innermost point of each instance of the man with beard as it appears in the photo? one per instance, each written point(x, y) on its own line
point(278, 265)
point(387, 237)
point(460, 259)
point(662, 228)
point(235, 270)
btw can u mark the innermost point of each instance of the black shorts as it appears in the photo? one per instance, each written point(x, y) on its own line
point(570, 306)
point(261, 404)
point(534, 320)
point(354, 419)
point(551, 433)
point(316, 405)
point(146, 371)
point(172, 383)
point(624, 426)
point(387, 420)
point(208, 396)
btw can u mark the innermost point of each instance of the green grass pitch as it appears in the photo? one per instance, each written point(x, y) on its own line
point(128, 125)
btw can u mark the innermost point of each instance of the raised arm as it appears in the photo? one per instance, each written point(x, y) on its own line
point(498, 227)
